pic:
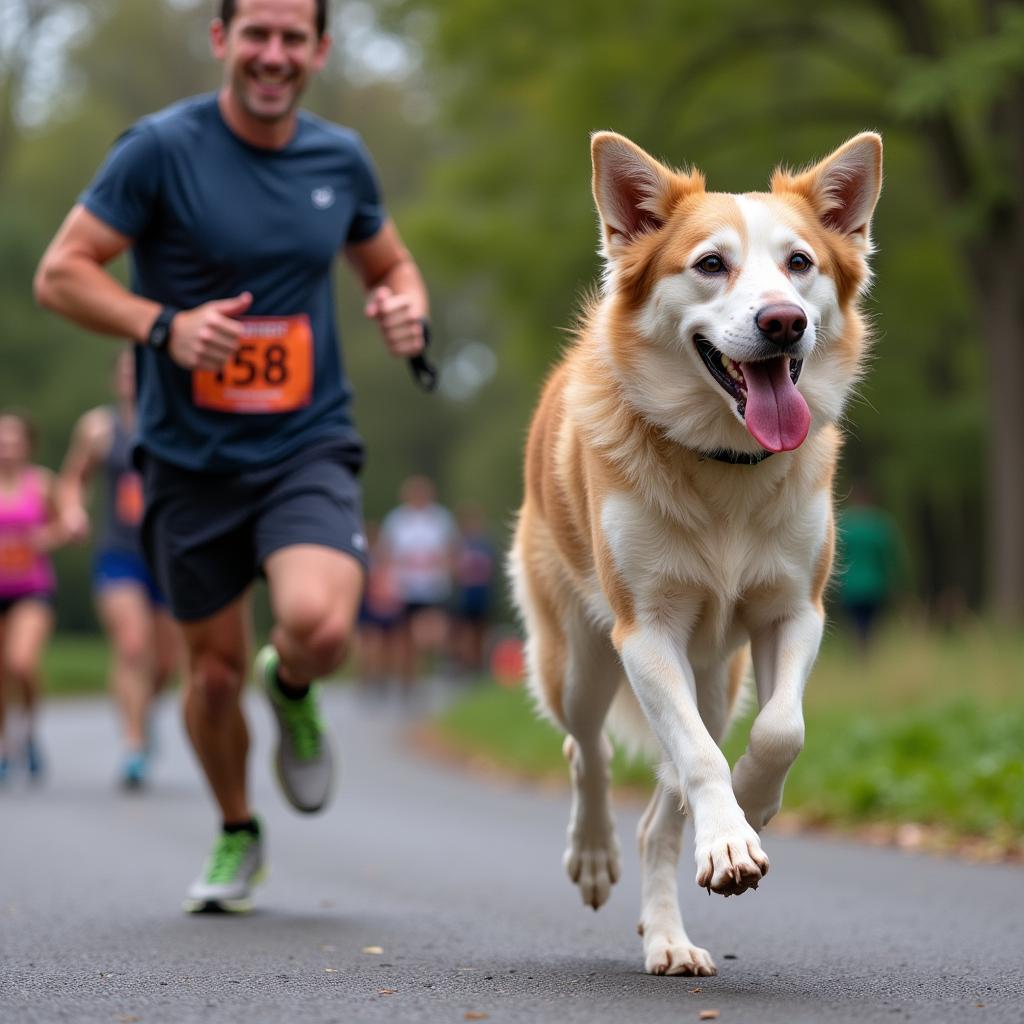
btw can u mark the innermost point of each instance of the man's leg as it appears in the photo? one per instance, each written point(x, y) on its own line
point(314, 594)
point(217, 659)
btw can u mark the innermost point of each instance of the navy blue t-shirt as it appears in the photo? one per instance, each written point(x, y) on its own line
point(211, 216)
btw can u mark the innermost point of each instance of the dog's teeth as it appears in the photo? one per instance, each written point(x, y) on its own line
point(732, 369)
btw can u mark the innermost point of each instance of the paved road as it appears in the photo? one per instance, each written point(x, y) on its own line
point(459, 882)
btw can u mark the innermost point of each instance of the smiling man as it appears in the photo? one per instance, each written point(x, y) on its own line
point(234, 206)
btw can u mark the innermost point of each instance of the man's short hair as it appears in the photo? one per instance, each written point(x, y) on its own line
point(227, 12)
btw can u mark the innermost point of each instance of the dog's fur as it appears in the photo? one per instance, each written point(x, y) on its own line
point(647, 571)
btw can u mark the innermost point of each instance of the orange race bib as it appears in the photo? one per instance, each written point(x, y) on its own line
point(272, 371)
point(17, 558)
point(129, 499)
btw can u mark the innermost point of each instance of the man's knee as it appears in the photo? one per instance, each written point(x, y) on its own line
point(216, 681)
point(321, 631)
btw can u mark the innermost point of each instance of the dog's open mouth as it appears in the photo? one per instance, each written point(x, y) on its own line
point(765, 393)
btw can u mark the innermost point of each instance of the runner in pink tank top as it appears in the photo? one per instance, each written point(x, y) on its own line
point(29, 530)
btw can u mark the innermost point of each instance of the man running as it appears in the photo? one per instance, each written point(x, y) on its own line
point(131, 607)
point(234, 206)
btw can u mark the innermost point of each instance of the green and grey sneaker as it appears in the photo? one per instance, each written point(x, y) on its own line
point(304, 760)
point(234, 866)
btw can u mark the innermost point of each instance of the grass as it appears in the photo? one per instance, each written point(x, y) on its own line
point(75, 664)
point(928, 729)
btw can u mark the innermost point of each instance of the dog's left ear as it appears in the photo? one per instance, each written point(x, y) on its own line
point(843, 188)
point(633, 192)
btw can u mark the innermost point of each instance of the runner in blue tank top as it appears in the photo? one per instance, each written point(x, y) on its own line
point(143, 638)
point(234, 207)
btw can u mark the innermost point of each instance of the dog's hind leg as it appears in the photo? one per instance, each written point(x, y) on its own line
point(593, 673)
point(667, 947)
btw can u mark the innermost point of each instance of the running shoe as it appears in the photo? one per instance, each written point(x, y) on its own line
point(134, 770)
point(234, 866)
point(304, 761)
point(33, 759)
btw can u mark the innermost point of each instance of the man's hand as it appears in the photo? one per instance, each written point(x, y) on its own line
point(206, 337)
point(399, 325)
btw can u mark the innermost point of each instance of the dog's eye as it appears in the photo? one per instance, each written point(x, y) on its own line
point(800, 262)
point(711, 264)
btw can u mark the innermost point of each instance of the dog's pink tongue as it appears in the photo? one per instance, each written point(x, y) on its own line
point(776, 414)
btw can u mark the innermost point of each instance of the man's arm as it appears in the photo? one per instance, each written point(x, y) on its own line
point(397, 297)
point(72, 280)
point(90, 444)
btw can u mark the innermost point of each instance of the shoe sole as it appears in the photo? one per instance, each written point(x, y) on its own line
point(312, 809)
point(239, 906)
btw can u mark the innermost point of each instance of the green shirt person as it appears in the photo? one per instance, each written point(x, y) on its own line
point(869, 563)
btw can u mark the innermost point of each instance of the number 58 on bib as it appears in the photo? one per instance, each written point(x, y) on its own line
point(271, 371)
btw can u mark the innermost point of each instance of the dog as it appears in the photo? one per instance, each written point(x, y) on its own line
point(677, 523)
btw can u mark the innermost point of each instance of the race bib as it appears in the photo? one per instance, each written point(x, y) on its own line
point(16, 558)
point(272, 371)
point(129, 499)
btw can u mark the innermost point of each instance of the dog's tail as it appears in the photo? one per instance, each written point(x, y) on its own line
point(628, 726)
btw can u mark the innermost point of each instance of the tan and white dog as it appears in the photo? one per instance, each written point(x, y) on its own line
point(659, 549)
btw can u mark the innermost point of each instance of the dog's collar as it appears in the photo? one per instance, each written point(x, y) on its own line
point(735, 458)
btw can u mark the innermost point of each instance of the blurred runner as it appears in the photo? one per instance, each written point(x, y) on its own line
point(869, 562)
point(143, 638)
point(29, 530)
point(420, 539)
point(234, 207)
point(474, 577)
point(380, 615)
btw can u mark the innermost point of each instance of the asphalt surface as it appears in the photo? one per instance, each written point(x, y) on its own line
point(458, 882)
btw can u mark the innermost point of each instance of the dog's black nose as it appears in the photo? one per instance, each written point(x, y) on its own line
point(782, 323)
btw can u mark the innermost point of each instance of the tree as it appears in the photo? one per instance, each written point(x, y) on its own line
point(739, 85)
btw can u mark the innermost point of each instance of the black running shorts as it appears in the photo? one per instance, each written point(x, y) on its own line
point(207, 536)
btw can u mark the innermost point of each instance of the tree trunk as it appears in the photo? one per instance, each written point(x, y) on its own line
point(1000, 305)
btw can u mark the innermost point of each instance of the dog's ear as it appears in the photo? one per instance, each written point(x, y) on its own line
point(843, 188)
point(634, 194)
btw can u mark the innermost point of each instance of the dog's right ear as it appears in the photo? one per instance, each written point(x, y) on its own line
point(633, 192)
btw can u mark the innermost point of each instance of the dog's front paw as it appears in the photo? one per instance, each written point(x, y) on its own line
point(666, 953)
point(731, 862)
point(593, 866)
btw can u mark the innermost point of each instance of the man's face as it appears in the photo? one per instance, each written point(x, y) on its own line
point(270, 50)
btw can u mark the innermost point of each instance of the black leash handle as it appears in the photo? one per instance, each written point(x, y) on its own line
point(423, 371)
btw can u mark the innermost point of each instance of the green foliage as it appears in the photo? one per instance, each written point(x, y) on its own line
point(954, 763)
point(483, 153)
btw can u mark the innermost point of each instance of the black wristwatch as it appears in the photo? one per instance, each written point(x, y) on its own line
point(160, 332)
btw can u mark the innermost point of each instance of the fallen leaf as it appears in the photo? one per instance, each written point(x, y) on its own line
point(709, 1015)
point(387, 991)
point(128, 1018)
point(694, 991)
point(474, 1015)
point(330, 970)
point(373, 950)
